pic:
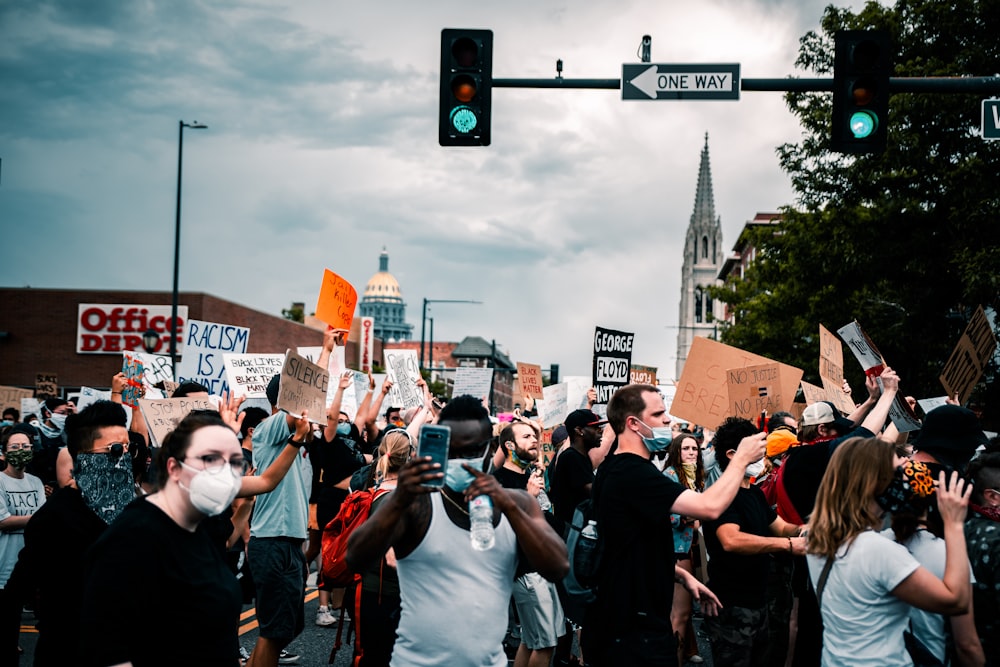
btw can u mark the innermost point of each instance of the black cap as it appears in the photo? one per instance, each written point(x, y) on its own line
point(579, 418)
point(272, 389)
point(951, 434)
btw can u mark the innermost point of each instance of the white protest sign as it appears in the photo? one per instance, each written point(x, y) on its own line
point(204, 345)
point(928, 404)
point(163, 415)
point(576, 391)
point(310, 352)
point(157, 368)
point(554, 408)
point(303, 386)
point(31, 406)
point(90, 395)
point(249, 374)
point(403, 369)
point(472, 381)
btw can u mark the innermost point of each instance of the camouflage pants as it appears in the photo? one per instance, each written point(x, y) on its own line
point(738, 636)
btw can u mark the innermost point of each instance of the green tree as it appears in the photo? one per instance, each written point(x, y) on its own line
point(906, 242)
point(296, 313)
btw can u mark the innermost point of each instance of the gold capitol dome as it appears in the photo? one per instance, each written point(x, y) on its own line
point(383, 285)
point(383, 300)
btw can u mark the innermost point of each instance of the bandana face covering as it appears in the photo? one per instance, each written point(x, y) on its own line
point(105, 482)
point(911, 480)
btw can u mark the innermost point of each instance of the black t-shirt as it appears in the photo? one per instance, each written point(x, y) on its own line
point(511, 479)
point(197, 597)
point(740, 580)
point(804, 469)
point(636, 578)
point(573, 472)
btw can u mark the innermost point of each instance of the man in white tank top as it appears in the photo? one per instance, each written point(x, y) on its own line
point(454, 599)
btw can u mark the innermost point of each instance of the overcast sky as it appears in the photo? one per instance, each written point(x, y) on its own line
point(322, 148)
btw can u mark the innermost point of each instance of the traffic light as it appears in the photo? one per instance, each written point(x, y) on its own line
point(861, 69)
point(466, 84)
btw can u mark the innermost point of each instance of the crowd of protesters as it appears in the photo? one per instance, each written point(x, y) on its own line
point(826, 539)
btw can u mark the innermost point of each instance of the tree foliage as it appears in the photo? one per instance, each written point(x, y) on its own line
point(906, 242)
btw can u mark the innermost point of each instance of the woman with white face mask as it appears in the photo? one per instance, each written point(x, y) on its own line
point(163, 545)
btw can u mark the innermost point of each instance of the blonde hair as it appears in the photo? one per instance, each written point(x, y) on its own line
point(858, 470)
point(394, 452)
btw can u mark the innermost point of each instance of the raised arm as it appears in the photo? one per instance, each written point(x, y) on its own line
point(716, 498)
point(361, 418)
point(376, 408)
point(331, 339)
point(876, 418)
point(862, 408)
point(333, 412)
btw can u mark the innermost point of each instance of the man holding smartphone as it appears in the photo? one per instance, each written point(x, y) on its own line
point(454, 598)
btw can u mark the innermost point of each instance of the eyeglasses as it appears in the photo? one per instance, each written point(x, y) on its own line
point(216, 463)
point(15, 446)
point(116, 449)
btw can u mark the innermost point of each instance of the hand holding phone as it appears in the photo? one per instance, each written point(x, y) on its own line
point(434, 442)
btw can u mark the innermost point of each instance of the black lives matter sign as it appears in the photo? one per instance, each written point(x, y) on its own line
point(612, 361)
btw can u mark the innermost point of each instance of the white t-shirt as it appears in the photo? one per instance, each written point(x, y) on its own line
point(18, 497)
point(863, 621)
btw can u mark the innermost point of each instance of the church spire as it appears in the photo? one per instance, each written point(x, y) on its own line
point(704, 200)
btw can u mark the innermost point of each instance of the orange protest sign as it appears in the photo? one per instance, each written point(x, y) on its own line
point(702, 396)
point(530, 378)
point(337, 299)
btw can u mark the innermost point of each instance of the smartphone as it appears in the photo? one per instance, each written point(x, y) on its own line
point(434, 442)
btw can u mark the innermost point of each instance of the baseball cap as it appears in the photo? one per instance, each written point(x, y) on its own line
point(580, 418)
point(823, 412)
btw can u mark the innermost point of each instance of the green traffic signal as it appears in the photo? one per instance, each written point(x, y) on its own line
point(863, 124)
point(861, 69)
point(466, 82)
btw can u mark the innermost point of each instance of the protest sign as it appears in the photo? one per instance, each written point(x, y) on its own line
point(31, 406)
point(642, 375)
point(249, 374)
point(576, 391)
point(112, 328)
point(612, 361)
point(337, 299)
point(310, 352)
point(204, 345)
point(928, 404)
point(10, 397)
point(831, 370)
point(303, 386)
point(162, 415)
point(402, 367)
point(668, 391)
point(472, 381)
point(812, 393)
point(755, 389)
point(554, 408)
point(367, 344)
point(90, 395)
point(701, 396)
point(872, 362)
point(157, 368)
point(133, 370)
point(46, 385)
point(967, 362)
point(530, 378)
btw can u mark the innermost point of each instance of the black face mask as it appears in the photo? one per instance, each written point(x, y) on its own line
point(105, 482)
point(911, 483)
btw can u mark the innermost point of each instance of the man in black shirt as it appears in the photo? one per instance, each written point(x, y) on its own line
point(738, 544)
point(574, 472)
point(629, 624)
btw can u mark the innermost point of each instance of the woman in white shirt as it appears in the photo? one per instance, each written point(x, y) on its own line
point(865, 582)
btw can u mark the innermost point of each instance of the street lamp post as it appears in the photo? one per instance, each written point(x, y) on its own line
point(423, 322)
point(177, 239)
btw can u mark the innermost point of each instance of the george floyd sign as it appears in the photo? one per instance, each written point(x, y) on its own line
point(113, 328)
point(612, 361)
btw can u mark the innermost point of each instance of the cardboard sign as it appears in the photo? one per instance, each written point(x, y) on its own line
point(755, 389)
point(249, 374)
point(965, 366)
point(472, 381)
point(812, 393)
point(701, 396)
point(46, 385)
point(554, 408)
point(871, 360)
point(831, 371)
point(612, 361)
point(204, 345)
point(10, 397)
point(642, 375)
point(303, 386)
point(367, 344)
point(402, 367)
point(162, 415)
point(337, 299)
point(112, 328)
point(530, 378)
point(133, 370)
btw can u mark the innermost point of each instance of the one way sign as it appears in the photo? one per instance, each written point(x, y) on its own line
point(991, 119)
point(649, 81)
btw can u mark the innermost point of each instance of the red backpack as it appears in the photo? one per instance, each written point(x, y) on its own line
point(353, 512)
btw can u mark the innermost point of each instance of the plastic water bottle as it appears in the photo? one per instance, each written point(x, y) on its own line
point(585, 553)
point(481, 519)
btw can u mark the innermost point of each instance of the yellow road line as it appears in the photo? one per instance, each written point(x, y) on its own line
point(311, 594)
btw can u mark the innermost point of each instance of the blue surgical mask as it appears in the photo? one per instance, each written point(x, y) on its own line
point(660, 439)
point(458, 478)
point(58, 420)
point(5, 423)
point(343, 428)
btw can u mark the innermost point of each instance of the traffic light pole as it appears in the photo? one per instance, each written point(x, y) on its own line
point(985, 85)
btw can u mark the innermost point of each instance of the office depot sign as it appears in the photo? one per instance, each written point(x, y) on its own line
point(113, 328)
